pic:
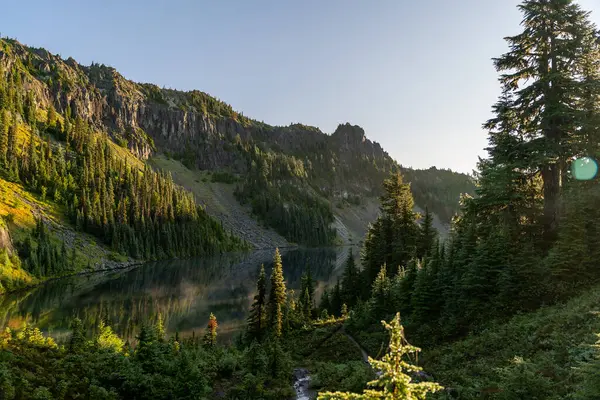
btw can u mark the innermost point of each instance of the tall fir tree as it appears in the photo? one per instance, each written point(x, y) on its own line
point(427, 235)
point(350, 280)
point(395, 378)
point(277, 296)
point(257, 317)
point(542, 70)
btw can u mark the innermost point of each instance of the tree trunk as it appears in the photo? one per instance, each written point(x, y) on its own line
point(551, 179)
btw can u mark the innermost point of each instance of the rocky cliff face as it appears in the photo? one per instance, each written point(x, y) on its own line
point(153, 120)
point(203, 132)
point(5, 240)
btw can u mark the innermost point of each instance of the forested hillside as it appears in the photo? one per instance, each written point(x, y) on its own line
point(295, 180)
point(57, 164)
point(83, 192)
point(506, 308)
point(521, 261)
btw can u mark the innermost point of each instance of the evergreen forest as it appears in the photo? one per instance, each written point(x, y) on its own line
point(506, 306)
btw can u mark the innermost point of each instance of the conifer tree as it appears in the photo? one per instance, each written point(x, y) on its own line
point(257, 317)
point(107, 339)
point(380, 293)
point(408, 278)
point(427, 235)
point(344, 313)
point(325, 304)
point(590, 372)
point(146, 350)
point(307, 306)
point(307, 293)
point(542, 71)
point(394, 379)
point(336, 300)
point(392, 239)
point(160, 328)
point(77, 340)
point(277, 295)
point(350, 280)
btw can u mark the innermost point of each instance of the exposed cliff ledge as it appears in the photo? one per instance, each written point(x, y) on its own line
point(205, 133)
point(150, 118)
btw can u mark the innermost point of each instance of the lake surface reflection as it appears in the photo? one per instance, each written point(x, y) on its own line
point(185, 292)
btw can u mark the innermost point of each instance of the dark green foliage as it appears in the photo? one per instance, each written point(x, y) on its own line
point(77, 341)
point(257, 320)
point(380, 294)
point(351, 376)
point(350, 281)
point(307, 295)
point(224, 177)
point(427, 235)
point(336, 300)
point(393, 237)
point(274, 189)
point(590, 373)
point(439, 190)
point(526, 240)
point(43, 255)
point(325, 304)
point(135, 211)
point(157, 369)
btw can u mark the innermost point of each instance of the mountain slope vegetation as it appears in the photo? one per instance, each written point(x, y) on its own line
point(60, 175)
point(292, 179)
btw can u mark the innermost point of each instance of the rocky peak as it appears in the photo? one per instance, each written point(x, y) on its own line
point(190, 124)
point(352, 138)
point(351, 134)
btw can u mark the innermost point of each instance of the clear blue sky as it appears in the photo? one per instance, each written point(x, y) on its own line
point(416, 75)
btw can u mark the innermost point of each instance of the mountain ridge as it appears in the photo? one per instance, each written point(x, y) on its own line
point(206, 134)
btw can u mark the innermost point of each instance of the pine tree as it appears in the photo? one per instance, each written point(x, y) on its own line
point(210, 337)
point(307, 292)
point(77, 341)
point(394, 380)
point(590, 372)
point(380, 294)
point(427, 235)
point(277, 295)
point(350, 280)
point(325, 304)
point(344, 311)
point(406, 286)
point(393, 238)
point(256, 319)
point(107, 339)
point(146, 350)
point(336, 300)
point(422, 296)
point(306, 306)
point(546, 89)
point(160, 328)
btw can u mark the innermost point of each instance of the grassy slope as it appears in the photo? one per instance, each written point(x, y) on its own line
point(19, 208)
point(549, 344)
point(220, 203)
point(351, 221)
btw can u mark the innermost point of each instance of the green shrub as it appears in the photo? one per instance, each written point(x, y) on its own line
point(223, 177)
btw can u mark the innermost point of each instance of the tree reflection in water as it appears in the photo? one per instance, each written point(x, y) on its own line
point(184, 292)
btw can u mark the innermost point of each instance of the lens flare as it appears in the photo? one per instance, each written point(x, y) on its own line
point(584, 169)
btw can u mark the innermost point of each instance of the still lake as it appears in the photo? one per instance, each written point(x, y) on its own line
point(185, 292)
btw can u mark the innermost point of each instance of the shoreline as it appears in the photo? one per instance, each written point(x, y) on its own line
point(118, 266)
